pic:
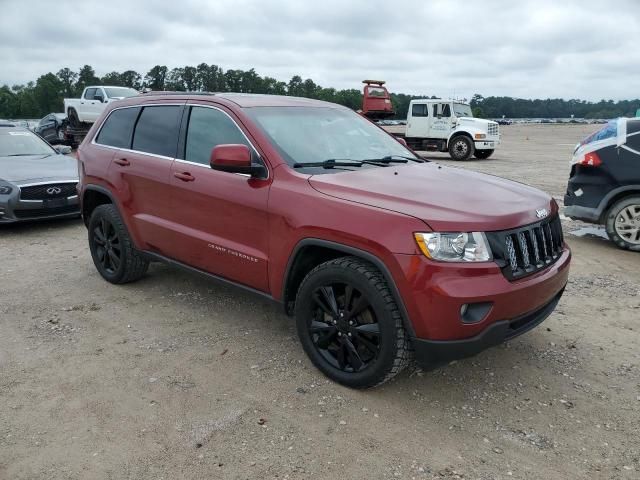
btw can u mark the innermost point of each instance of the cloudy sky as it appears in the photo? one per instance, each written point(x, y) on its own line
point(530, 49)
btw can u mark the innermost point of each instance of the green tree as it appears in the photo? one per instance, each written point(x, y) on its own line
point(156, 77)
point(86, 77)
point(68, 78)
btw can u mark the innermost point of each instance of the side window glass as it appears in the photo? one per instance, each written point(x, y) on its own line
point(419, 110)
point(117, 129)
point(208, 128)
point(157, 130)
point(446, 110)
point(89, 94)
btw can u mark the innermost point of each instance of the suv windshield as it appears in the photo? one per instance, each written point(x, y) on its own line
point(315, 134)
point(121, 92)
point(16, 144)
point(462, 110)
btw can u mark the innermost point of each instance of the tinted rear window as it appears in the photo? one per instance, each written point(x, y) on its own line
point(157, 130)
point(117, 129)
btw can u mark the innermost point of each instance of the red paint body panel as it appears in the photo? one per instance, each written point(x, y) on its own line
point(246, 229)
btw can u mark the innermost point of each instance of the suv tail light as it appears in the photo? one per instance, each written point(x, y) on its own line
point(590, 159)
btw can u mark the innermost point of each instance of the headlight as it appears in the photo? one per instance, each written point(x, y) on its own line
point(5, 190)
point(455, 247)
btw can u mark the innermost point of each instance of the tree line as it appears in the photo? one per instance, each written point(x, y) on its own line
point(45, 95)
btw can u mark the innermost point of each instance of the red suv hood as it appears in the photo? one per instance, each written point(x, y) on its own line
point(447, 199)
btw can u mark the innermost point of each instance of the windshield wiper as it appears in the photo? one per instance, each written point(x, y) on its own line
point(331, 163)
point(335, 162)
point(26, 154)
point(396, 159)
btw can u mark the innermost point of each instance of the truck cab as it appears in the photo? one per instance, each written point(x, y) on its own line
point(449, 125)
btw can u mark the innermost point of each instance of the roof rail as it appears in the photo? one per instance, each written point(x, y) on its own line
point(164, 92)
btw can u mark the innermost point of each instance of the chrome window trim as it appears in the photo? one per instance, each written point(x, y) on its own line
point(143, 105)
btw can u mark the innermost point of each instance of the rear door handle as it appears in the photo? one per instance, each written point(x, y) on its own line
point(123, 162)
point(184, 176)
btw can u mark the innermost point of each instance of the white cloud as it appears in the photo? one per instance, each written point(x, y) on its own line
point(573, 49)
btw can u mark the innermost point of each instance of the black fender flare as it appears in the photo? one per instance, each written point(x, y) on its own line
point(356, 252)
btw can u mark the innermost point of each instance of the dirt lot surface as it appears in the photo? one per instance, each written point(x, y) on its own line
point(178, 377)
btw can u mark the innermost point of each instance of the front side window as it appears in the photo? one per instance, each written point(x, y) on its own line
point(90, 93)
point(209, 127)
point(317, 134)
point(157, 130)
point(446, 109)
point(117, 129)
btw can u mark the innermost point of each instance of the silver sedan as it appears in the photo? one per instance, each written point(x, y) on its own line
point(37, 181)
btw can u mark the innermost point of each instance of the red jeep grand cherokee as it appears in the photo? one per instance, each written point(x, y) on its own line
point(377, 253)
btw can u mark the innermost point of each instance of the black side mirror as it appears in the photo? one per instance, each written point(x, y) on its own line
point(99, 97)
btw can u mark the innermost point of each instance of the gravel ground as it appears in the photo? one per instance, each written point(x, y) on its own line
point(178, 377)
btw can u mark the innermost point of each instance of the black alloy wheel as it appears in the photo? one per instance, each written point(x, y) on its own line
point(108, 247)
point(112, 249)
point(344, 328)
point(349, 323)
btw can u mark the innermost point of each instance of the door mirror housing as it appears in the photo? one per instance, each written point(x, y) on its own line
point(98, 97)
point(235, 158)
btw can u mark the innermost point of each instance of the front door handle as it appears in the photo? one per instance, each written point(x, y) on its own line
point(123, 162)
point(184, 176)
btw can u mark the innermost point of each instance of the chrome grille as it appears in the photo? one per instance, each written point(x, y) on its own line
point(529, 249)
point(493, 128)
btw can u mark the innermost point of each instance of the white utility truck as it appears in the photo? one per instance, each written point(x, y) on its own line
point(448, 125)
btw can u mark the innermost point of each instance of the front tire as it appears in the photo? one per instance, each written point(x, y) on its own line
point(623, 223)
point(111, 247)
point(349, 323)
point(483, 154)
point(461, 147)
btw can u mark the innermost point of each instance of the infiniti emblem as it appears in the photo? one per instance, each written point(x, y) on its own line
point(541, 213)
point(54, 190)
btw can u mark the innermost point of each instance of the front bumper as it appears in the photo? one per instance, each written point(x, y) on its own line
point(435, 295)
point(431, 353)
point(13, 209)
point(486, 144)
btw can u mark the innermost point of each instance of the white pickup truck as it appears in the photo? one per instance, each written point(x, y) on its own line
point(449, 125)
point(90, 105)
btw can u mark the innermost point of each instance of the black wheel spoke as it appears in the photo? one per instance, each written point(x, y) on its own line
point(98, 236)
point(330, 297)
point(360, 305)
point(369, 328)
point(368, 344)
point(114, 259)
point(352, 355)
point(321, 303)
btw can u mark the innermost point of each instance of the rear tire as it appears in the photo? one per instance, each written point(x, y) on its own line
point(483, 154)
point(461, 147)
point(349, 323)
point(623, 223)
point(111, 247)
